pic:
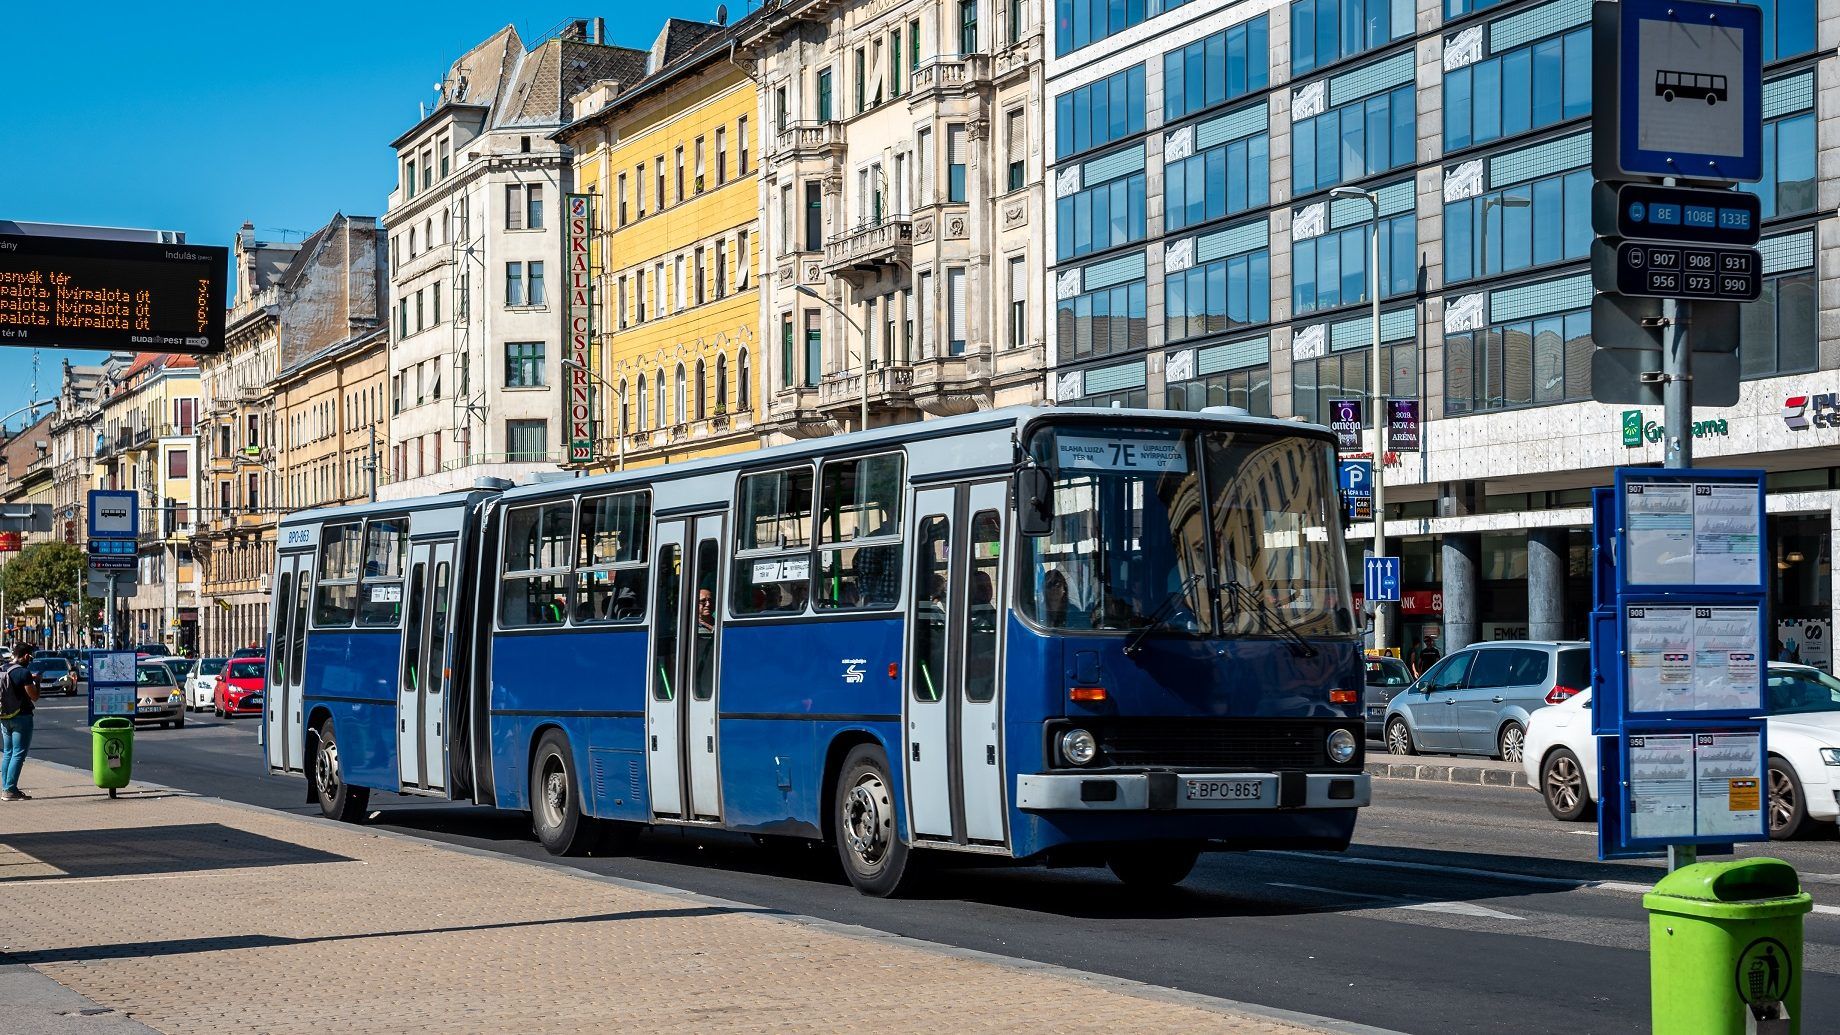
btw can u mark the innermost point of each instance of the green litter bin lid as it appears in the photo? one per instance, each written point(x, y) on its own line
point(112, 724)
point(1745, 889)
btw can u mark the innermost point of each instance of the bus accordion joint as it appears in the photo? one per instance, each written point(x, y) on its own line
point(1087, 694)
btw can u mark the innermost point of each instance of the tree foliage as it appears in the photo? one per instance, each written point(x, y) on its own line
point(46, 571)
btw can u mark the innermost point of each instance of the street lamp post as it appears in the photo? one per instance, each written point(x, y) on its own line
point(862, 421)
point(619, 430)
point(1376, 396)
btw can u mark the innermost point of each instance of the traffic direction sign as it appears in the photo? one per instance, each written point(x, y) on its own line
point(1381, 581)
point(1693, 215)
point(1676, 271)
point(1634, 322)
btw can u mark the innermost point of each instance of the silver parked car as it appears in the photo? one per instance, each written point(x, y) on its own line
point(1386, 677)
point(1476, 701)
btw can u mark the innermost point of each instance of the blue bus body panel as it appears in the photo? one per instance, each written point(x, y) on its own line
point(1173, 677)
point(591, 684)
point(351, 675)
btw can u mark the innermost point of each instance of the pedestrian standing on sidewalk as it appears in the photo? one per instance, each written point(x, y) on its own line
point(18, 691)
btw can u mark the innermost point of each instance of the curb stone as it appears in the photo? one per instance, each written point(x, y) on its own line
point(1465, 774)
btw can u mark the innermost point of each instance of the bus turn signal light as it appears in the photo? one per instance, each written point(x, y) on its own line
point(1088, 694)
point(1344, 697)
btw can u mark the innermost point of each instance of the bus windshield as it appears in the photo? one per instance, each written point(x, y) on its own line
point(1205, 532)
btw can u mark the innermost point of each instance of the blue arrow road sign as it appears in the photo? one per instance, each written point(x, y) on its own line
point(1382, 579)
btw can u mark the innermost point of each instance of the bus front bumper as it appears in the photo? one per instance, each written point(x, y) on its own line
point(1171, 791)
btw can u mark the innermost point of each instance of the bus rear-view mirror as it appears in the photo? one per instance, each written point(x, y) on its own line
point(1034, 495)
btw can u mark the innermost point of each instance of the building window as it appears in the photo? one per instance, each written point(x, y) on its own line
point(721, 384)
point(524, 364)
point(744, 260)
point(741, 146)
point(1018, 302)
point(537, 294)
point(1081, 23)
point(780, 117)
point(1356, 140)
point(1104, 215)
point(1780, 331)
point(1326, 31)
point(526, 441)
point(1223, 295)
point(658, 407)
point(678, 168)
point(923, 301)
point(1532, 362)
point(1788, 28)
point(721, 157)
point(1248, 388)
point(619, 306)
point(1102, 321)
point(744, 383)
point(786, 362)
point(721, 269)
point(679, 283)
point(1224, 180)
point(814, 215)
point(1100, 112)
point(622, 196)
point(178, 463)
point(1017, 139)
point(677, 399)
point(1518, 227)
point(824, 95)
point(861, 81)
point(1016, 19)
point(639, 410)
point(814, 349)
point(955, 163)
point(639, 296)
point(1331, 270)
point(923, 167)
point(1229, 64)
point(1787, 186)
point(967, 26)
point(895, 79)
point(446, 158)
point(700, 390)
point(658, 178)
point(957, 311)
point(514, 283)
point(1518, 90)
point(1343, 375)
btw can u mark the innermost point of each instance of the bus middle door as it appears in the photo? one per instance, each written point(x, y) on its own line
point(681, 710)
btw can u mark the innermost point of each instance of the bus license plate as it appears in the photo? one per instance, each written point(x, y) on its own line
point(1225, 790)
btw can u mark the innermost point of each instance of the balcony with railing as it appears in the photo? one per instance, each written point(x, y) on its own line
point(801, 140)
point(947, 385)
point(252, 394)
point(889, 386)
point(871, 247)
point(949, 74)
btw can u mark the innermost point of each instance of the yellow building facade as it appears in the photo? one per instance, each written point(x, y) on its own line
point(671, 162)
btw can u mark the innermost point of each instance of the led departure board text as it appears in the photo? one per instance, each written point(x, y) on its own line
point(145, 297)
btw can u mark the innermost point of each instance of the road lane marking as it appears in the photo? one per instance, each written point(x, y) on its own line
point(1458, 908)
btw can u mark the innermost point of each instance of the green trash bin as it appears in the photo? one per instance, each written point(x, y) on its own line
point(1725, 948)
point(112, 754)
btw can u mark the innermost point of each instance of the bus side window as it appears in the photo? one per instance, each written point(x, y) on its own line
point(339, 564)
point(610, 547)
point(932, 591)
point(277, 673)
point(981, 610)
point(859, 533)
point(535, 588)
point(664, 635)
point(773, 543)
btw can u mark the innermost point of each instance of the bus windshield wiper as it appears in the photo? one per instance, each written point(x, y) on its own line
point(1160, 617)
point(1269, 619)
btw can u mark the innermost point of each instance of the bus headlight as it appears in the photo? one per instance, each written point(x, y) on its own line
point(1341, 746)
point(1079, 747)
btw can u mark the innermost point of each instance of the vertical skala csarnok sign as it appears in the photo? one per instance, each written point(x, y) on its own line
point(579, 399)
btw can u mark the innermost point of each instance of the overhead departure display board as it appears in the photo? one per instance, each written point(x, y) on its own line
point(85, 294)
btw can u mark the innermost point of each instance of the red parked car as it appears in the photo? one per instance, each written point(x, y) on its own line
point(239, 690)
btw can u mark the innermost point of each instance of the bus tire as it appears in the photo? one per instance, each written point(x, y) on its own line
point(868, 838)
point(555, 797)
point(1154, 865)
point(337, 799)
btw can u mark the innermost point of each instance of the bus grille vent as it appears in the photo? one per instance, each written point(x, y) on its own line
point(633, 778)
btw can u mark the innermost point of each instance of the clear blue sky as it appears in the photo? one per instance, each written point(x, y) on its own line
point(198, 116)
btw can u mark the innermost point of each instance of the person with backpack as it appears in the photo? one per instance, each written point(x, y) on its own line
point(18, 692)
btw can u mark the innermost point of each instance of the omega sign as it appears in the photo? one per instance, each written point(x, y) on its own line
point(580, 398)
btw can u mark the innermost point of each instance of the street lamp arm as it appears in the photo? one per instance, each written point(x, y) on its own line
point(38, 404)
point(840, 311)
point(592, 376)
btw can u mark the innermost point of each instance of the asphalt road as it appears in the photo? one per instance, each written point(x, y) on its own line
point(1460, 909)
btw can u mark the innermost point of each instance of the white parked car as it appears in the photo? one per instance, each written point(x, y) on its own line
point(201, 682)
point(1802, 734)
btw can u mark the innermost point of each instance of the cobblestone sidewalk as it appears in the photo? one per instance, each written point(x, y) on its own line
point(193, 915)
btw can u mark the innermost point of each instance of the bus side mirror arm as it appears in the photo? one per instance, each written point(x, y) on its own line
point(1033, 491)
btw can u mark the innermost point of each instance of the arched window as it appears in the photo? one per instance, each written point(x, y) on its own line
point(428, 231)
point(412, 242)
point(447, 228)
point(702, 376)
point(677, 398)
point(659, 412)
point(744, 384)
point(623, 398)
point(641, 406)
point(721, 385)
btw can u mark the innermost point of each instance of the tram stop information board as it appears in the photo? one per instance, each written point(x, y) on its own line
point(1679, 651)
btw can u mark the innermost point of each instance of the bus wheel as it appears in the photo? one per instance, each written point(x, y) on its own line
point(555, 805)
point(1154, 865)
point(867, 840)
point(337, 799)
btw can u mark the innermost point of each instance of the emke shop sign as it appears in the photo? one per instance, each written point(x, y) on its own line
point(1821, 410)
point(1637, 431)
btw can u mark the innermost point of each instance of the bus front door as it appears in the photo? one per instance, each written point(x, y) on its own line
point(954, 699)
point(420, 754)
point(287, 649)
point(682, 706)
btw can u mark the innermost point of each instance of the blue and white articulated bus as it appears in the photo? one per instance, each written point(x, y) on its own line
point(1052, 635)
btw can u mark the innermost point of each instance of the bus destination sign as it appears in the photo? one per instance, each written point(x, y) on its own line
point(88, 294)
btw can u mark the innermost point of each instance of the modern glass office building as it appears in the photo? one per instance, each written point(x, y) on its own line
point(1199, 259)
